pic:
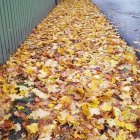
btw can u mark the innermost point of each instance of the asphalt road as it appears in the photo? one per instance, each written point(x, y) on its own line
point(125, 16)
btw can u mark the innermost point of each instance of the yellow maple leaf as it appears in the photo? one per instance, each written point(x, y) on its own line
point(129, 57)
point(113, 80)
point(98, 126)
point(38, 64)
point(79, 46)
point(12, 89)
point(128, 115)
point(92, 62)
point(23, 92)
point(71, 52)
point(110, 49)
point(28, 70)
point(106, 106)
point(119, 123)
point(61, 51)
point(130, 126)
point(94, 103)
point(94, 85)
point(51, 105)
point(71, 120)
point(20, 107)
point(44, 68)
point(5, 88)
point(32, 128)
point(65, 100)
point(80, 91)
point(86, 111)
point(121, 135)
point(70, 91)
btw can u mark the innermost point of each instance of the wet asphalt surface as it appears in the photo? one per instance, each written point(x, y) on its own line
point(125, 16)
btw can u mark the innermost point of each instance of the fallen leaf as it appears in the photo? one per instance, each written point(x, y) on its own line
point(40, 94)
point(94, 111)
point(39, 114)
point(94, 85)
point(32, 128)
point(106, 106)
point(131, 127)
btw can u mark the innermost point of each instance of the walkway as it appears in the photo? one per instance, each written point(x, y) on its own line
point(73, 78)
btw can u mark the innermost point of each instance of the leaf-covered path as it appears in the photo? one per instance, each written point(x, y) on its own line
point(73, 78)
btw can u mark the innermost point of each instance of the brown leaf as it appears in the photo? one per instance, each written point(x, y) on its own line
point(8, 124)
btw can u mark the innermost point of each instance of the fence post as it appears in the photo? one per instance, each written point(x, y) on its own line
point(56, 2)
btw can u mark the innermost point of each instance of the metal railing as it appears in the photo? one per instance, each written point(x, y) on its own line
point(17, 19)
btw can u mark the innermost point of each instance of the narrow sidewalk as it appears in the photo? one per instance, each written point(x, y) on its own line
point(74, 78)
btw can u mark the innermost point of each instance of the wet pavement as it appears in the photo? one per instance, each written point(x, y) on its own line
point(125, 16)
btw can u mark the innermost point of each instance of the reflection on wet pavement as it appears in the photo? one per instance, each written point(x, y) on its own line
point(125, 15)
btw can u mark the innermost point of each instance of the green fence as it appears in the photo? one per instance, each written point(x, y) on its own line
point(17, 19)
